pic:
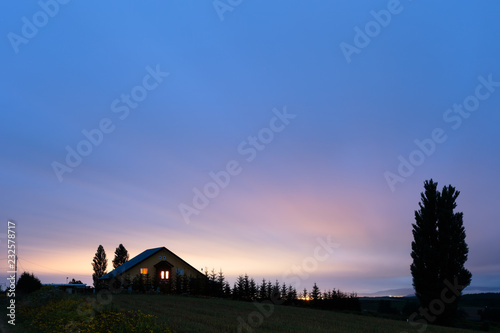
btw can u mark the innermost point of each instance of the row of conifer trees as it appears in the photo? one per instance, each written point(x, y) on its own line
point(244, 288)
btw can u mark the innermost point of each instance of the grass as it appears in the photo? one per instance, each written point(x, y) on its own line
point(190, 314)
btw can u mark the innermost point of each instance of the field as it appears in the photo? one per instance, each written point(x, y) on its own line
point(185, 314)
point(190, 314)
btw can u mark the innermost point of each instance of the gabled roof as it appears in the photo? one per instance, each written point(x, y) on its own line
point(138, 259)
point(131, 263)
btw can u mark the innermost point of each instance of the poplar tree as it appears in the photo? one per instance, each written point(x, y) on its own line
point(121, 256)
point(439, 252)
point(99, 263)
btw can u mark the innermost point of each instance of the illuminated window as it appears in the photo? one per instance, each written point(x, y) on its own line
point(164, 275)
point(144, 271)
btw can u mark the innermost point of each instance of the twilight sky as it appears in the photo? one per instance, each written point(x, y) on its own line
point(246, 135)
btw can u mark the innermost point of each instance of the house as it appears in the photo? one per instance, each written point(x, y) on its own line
point(160, 264)
point(70, 288)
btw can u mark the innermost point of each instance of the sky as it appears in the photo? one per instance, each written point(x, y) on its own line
point(286, 140)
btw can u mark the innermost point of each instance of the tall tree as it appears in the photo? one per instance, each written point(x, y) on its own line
point(121, 256)
point(99, 263)
point(439, 252)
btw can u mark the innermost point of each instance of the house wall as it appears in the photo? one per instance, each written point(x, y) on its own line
point(155, 258)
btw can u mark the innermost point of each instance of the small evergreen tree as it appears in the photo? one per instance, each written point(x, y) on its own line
point(246, 287)
point(305, 295)
point(212, 277)
point(235, 292)
point(99, 264)
point(212, 283)
point(121, 256)
point(227, 289)
point(252, 289)
point(292, 294)
point(239, 287)
point(220, 283)
point(276, 294)
point(315, 293)
point(263, 290)
point(269, 289)
point(283, 291)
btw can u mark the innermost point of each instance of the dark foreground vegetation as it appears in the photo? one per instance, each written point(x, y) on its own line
point(49, 310)
point(475, 311)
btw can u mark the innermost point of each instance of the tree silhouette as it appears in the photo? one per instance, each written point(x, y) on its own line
point(28, 283)
point(227, 289)
point(315, 294)
point(292, 294)
point(439, 253)
point(252, 289)
point(221, 280)
point(121, 256)
point(276, 290)
point(283, 291)
point(263, 290)
point(99, 263)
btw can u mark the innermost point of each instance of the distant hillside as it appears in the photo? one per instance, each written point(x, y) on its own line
point(402, 292)
point(391, 292)
point(481, 290)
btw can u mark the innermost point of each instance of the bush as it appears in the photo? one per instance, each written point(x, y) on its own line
point(410, 308)
point(385, 306)
point(28, 283)
point(490, 314)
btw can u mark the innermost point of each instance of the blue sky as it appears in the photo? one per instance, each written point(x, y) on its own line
point(230, 74)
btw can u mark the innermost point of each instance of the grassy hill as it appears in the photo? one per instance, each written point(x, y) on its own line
point(191, 314)
point(187, 314)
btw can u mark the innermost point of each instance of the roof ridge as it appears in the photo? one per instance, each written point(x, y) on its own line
point(138, 259)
